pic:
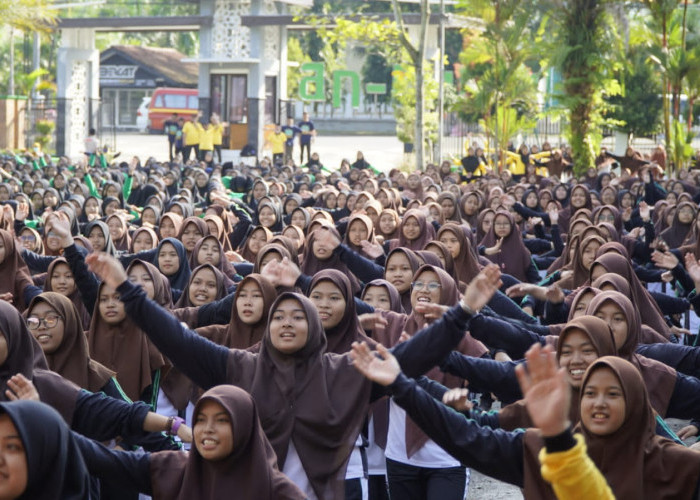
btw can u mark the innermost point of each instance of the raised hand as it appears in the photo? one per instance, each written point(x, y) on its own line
point(482, 288)
point(545, 389)
point(382, 369)
point(61, 229)
point(520, 290)
point(665, 260)
point(458, 399)
point(554, 294)
point(373, 250)
point(8, 215)
point(430, 311)
point(22, 211)
point(20, 387)
point(554, 217)
point(496, 249)
point(107, 268)
point(693, 268)
point(372, 321)
point(282, 273)
point(326, 238)
point(644, 211)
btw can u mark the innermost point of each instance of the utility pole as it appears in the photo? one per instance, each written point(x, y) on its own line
point(441, 84)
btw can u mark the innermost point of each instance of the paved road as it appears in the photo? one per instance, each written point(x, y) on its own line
point(383, 152)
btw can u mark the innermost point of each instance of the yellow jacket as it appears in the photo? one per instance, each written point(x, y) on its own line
point(516, 166)
point(218, 133)
point(206, 138)
point(573, 474)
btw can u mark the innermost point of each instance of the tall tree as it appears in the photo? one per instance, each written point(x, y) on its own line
point(586, 50)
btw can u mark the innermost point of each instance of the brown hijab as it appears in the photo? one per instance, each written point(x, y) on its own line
point(24, 355)
point(144, 229)
point(184, 300)
point(298, 394)
point(515, 415)
point(650, 312)
point(124, 348)
point(72, 360)
point(339, 339)
point(581, 274)
point(514, 258)
point(659, 378)
point(312, 264)
point(427, 231)
point(237, 334)
point(223, 265)
point(176, 219)
point(14, 273)
point(246, 252)
point(221, 233)
point(250, 470)
point(75, 298)
point(370, 233)
point(466, 263)
point(415, 263)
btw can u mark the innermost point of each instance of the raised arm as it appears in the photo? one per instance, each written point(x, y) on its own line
point(493, 452)
point(203, 361)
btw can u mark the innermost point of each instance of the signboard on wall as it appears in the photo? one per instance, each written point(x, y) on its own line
point(112, 75)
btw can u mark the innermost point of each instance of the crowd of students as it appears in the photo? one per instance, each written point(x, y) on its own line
point(197, 329)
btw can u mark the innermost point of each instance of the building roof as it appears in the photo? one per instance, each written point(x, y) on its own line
point(167, 62)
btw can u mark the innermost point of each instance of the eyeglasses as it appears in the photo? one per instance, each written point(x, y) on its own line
point(420, 285)
point(33, 323)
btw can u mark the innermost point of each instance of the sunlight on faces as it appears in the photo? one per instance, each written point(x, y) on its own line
point(110, 306)
point(140, 276)
point(143, 241)
point(603, 403)
point(62, 280)
point(377, 297)
point(168, 260)
point(289, 328)
point(357, 232)
point(577, 354)
point(399, 272)
point(213, 431)
point(49, 337)
point(424, 294)
point(329, 302)
point(203, 287)
point(167, 228)
point(411, 228)
point(209, 252)
point(615, 317)
point(13, 460)
point(449, 239)
point(97, 239)
point(190, 236)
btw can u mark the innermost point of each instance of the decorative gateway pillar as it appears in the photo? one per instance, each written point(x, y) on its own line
point(232, 51)
point(78, 90)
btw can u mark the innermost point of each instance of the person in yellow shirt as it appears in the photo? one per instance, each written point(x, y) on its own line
point(275, 142)
point(191, 132)
point(206, 142)
point(218, 133)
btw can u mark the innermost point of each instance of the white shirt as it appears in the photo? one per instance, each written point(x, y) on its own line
point(294, 470)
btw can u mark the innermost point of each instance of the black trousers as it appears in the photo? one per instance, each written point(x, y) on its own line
point(217, 149)
point(407, 482)
point(172, 150)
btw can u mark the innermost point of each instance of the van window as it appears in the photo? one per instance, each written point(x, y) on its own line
point(159, 101)
point(178, 101)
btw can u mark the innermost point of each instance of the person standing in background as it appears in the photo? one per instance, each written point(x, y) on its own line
point(290, 130)
point(191, 136)
point(277, 141)
point(179, 145)
point(206, 141)
point(308, 131)
point(171, 127)
point(218, 133)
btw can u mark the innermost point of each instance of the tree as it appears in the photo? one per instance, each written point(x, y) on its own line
point(639, 106)
point(585, 48)
point(501, 88)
